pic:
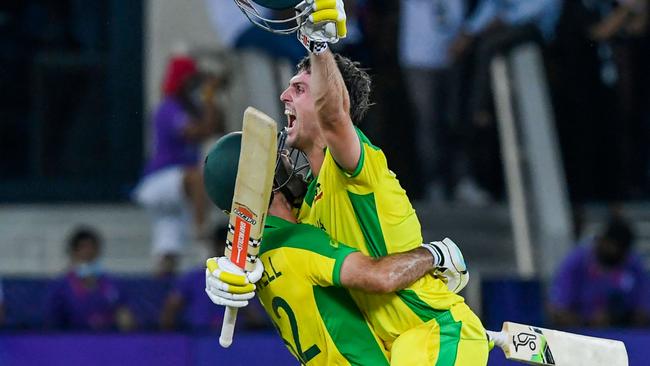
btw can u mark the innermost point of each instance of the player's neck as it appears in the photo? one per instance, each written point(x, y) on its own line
point(316, 156)
point(281, 208)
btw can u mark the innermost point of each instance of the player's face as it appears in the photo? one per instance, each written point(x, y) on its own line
point(300, 111)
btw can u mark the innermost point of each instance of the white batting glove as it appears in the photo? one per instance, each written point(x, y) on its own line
point(450, 264)
point(325, 24)
point(228, 285)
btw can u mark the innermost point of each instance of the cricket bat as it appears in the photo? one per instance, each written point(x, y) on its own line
point(251, 199)
point(539, 346)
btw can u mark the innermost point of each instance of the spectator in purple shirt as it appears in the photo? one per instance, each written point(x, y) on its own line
point(171, 188)
point(602, 283)
point(187, 306)
point(85, 297)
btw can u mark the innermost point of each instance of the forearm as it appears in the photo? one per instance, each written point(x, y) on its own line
point(401, 270)
point(331, 98)
point(386, 274)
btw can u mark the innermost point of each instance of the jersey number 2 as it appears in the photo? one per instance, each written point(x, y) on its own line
point(311, 352)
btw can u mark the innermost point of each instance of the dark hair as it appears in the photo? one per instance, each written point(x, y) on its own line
point(81, 234)
point(619, 230)
point(357, 81)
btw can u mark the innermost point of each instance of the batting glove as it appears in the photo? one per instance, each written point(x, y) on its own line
point(228, 285)
point(450, 264)
point(325, 24)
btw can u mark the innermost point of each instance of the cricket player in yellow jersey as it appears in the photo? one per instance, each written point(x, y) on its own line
point(304, 270)
point(357, 200)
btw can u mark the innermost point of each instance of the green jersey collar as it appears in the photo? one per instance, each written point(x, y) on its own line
point(276, 222)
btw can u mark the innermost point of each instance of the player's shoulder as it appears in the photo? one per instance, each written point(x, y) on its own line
point(372, 158)
point(279, 233)
point(304, 237)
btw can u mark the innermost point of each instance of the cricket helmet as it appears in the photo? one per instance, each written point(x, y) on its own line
point(220, 170)
point(258, 15)
point(292, 174)
point(222, 162)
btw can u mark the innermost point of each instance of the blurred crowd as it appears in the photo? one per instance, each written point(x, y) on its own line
point(89, 297)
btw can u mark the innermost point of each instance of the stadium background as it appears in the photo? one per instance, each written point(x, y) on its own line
point(79, 81)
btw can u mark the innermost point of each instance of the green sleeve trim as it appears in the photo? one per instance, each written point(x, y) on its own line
point(344, 251)
point(347, 327)
point(362, 156)
point(366, 140)
point(365, 211)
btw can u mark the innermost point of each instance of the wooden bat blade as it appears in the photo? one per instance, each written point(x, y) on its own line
point(540, 346)
point(252, 188)
point(250, 203)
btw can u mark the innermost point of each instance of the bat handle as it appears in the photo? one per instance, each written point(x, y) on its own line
point(228, 327)
point(499, 338)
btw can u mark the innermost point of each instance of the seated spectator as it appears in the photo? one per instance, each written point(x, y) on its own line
point(171, 188)
point(188, 307)
point(86, 297)
point(602, 282)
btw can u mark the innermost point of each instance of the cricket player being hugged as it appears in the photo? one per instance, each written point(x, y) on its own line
point(303, 271)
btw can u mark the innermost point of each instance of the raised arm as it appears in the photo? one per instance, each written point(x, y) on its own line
point(332, 103)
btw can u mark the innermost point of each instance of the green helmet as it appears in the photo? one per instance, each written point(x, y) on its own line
point(220, 170)
point(222, 162)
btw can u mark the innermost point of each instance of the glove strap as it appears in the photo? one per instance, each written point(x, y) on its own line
point(438, 258)
point(312, 46)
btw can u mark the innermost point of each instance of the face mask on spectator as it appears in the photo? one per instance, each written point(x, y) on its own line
point(89, 269)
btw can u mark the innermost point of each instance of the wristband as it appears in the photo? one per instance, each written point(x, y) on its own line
point(438, 258)
point(312, 46)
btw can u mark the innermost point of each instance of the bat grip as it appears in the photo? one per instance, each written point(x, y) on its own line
point(499, 338)
point(228, 327)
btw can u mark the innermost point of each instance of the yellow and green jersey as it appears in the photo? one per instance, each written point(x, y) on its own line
point(369, 210)
point(300, 290)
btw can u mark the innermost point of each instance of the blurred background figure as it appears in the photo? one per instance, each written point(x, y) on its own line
point(86, 297)
point(602, 283)
point(604, 47)
point(237, 33)
point(427, 30)
point(496, 26)
point(171, 188)
point(491, 27)
point(187, 307)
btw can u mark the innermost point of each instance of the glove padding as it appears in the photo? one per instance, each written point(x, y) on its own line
point(325, 24)
point(332, 13)
point(451, 267)
point(228, 285)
